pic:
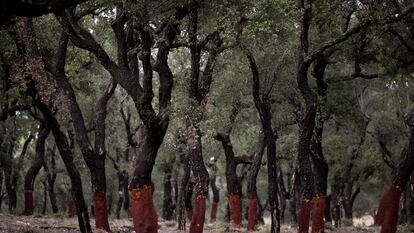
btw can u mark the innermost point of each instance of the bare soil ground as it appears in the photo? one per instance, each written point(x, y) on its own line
point(58, 224)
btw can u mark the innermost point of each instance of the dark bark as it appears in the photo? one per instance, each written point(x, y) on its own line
point(94, 156)
point(121, 195)
point(262, 209)
point(328, 214)
point(233, 182)
point(387, 215)
point(11, 192)
point(34, 169)
point(60, 140)
point(51, 175)
point(200, 173)
point(189, 200)
point(263, 105)
point(10, 8)
point(67, 157)
point(251, 183)
point(293, 189)
point(167, 205)
point(349, 197)
point(44, 203)
point(283, 194)
point(216, 198)
point(182, 199)
point(198, 91)
point(336, 189)
point(215, 190)
point(306, 57)
point(125, 73)
point(176, 197)
point(1, 187)
point(320, 165)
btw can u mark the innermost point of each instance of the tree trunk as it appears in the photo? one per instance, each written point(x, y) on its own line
point(328, 215)
point(51, 178)
point(11, 192)
point(10, 178)
point(263, 106)
point(67, 157)
point(251, 184)
point(100, 206)
point(141, 187)
point(44, 204)
point(167, 207)
point(127, 207)
point(62, 144)
point(216, 199)
point(1, 187)
point(349, 198)
point(387, 215)
point(34, 169)
point(195, 156)
point(262, 209)
point(335, 203)
point(272, 174)
point(410, 193)
point(189, 200)
point(306, 127)
point(176, 196)
point(320, 165)
point(120, 195)
point(66, 154)
point(182, 199)
point(233, 183)
point(71, 204)
point(293, 190)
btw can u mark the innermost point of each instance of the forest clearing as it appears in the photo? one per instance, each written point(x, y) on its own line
point(197, 116)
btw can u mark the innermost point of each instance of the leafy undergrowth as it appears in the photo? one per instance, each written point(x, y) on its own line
point(58, 224)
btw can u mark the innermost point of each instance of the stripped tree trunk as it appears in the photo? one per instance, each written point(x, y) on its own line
point(34, 169)
point(320, 165)
point(387, 215)
point(263, 105)
point(198, 91)
point(126, 72)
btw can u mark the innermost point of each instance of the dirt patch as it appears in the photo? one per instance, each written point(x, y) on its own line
point(58, 224)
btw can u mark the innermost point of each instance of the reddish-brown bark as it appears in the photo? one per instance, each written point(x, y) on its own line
point(213, 214)
point(128, 211)
point(28, 202)
point(71, 207)
point(190, 214)
point(304, 214)
point(143, 212)
point(197, 222)
point(387, 215)
point(235, 210)
point(318, 212)
point(252, 218)
point(101, 215)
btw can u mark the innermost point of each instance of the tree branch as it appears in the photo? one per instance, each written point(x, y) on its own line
point(101, 112)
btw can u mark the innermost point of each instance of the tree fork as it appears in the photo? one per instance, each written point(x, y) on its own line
point(34, 169)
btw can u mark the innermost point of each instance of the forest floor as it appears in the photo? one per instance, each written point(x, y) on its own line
point(56, 224)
